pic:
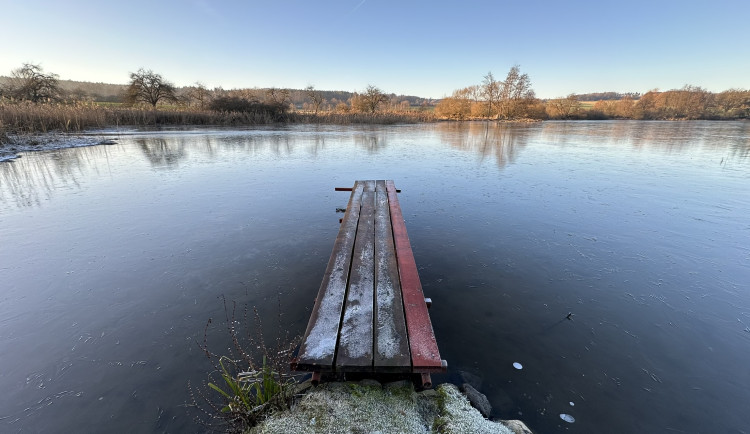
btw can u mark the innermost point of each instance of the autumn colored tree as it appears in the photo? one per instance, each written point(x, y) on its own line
point(515, 94)
point(490, 89)
point(454, 107)
point(370, 100)
point(732, 104)
point(563, 108)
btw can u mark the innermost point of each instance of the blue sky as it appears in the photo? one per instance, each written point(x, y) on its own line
point(424, 48)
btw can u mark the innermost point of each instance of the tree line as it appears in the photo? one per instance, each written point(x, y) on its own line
point(512, 98)
point(687, 103)
point(31, 83)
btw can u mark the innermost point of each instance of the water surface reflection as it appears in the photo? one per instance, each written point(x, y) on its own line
point(113, 258)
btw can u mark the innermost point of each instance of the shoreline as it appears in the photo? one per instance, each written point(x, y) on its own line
point(11, 146)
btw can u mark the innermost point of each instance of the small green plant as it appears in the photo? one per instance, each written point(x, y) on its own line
point(255, 381)
point(250, 391)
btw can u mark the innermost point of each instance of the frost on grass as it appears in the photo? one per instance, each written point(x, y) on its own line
point(15, 144)
point(350, 408)
point(458, 416)
point(353, 408)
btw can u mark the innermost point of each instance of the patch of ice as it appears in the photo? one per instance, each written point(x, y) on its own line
point(48, 142)
point(567, 418)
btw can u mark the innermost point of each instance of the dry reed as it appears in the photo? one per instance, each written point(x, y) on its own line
point(30, 118)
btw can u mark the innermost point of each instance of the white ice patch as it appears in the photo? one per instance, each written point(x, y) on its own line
point(567, 418)
point(48, 142)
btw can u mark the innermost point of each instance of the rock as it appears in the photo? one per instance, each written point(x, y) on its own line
point(477, 399)
point(458, 416)
point(353, 408)
point(398, 385)
point(302, 387)
point(429, 393)
point(469, 378)
point(516, 426)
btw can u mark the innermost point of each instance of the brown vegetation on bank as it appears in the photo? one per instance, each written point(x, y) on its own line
point(33, 101)
point(516, 100)
point(687, 103)
point(28, 118)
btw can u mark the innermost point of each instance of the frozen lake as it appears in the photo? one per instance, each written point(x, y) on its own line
point(113, 258)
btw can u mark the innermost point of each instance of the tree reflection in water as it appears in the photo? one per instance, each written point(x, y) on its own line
point(34, 178)
point(503, 141)
point(162, 154)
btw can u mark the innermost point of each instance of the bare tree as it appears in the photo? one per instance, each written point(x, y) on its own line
point(280, 97)
point(564, 108)
point(30, 83)
point(198, 93)
point(372, 98)
point(315, 96)
point(149, 87)
point(491, 93)
point(515, 93)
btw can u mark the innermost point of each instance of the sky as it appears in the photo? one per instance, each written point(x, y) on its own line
point(422, 48)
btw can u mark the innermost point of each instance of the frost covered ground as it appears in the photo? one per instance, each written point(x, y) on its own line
point(392, 408)
point(12, 145)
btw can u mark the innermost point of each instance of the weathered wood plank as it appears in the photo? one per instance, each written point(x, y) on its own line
point(318, 346)
point(424, 351)
point(355, 338)
point(391, 340)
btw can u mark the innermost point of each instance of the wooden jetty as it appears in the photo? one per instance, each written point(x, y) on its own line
point(370, 315)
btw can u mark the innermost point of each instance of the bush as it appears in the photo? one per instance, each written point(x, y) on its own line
point(235, 104)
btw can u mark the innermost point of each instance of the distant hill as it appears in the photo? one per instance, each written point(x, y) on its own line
point(107, 92)
point(102, 92)
point(299, 97)
point(606, 96)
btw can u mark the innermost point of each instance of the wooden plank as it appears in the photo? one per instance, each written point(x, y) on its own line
point(424, 351)
point(391, 339)
point(355, 338)
point(318, 347)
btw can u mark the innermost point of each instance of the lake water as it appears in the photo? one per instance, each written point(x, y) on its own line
point(113, 258)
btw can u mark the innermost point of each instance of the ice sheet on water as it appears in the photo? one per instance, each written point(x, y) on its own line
point(567, 418)
point(48, 142)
